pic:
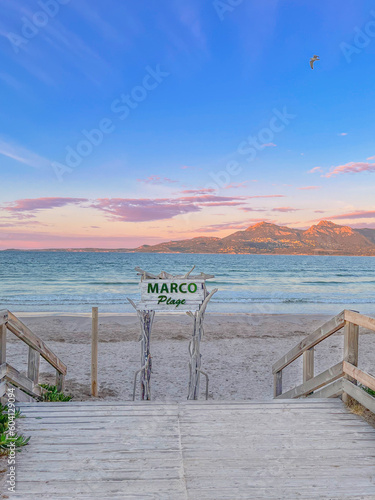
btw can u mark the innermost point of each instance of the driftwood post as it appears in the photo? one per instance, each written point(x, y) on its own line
point(194, 348)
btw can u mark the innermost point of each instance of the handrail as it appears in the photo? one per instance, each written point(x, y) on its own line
point(27, 387)
point(340, 379)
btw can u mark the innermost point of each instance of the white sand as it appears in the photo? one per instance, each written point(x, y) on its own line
point(238, 352)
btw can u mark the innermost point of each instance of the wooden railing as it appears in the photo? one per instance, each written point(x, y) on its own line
point(340, 379)
point(27, 387)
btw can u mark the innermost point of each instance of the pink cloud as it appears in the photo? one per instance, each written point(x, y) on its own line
point(236, 186)
point(146, 209)
point(156, 179)
point(269, 145)
point(307, 188)
point(285, 209)
point(371, 158)
point(359, 214)
point(199, 191)
point(25, 208)
point(351, 168)
point(268, 196)
point(315, 169)
point(250, 209)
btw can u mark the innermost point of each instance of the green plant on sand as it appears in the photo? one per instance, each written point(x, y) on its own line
point(7, 437)
point(52, 394)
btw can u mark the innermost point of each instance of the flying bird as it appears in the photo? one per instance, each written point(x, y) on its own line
point(312, 60)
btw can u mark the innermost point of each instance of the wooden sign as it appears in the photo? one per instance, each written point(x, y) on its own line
point(172, 294)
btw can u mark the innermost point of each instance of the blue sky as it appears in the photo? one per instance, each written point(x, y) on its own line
point(221, 72)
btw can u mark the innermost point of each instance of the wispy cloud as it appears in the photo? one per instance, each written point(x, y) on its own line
point(285, 209)
point(308, 188)
point(315, 170)
point(358, 214)
point(156, 180)
point(199, 191)
point(351, 168)
point(343, 133)
point(21, 154)
point(269, 145)
point(27, 208)
point(146, 209)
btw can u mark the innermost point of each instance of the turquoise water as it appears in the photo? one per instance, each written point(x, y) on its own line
point(74, 282)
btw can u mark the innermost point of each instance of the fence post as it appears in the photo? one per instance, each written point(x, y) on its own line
point(351, 333)
point(308, 364)
point(277, 384)
point(94, 353)
point(33, 365)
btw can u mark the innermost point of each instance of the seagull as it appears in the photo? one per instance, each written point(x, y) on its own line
point(312, 60)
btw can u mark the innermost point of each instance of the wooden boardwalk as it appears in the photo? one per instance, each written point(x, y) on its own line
point(277, 449)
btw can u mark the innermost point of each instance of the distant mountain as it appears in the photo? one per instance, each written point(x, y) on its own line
point(368, 233)
point(325, 238)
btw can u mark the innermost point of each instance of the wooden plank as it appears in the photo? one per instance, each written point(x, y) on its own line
point(315, 383)
point(333, 390)
point(17, 379)
point(329, 328)
point(359, 375)
point(3, 317)
point(3, 343)
point(359, 395)
point(33, 365)
point(360, 320)
point(26, 335)
point(94, 352)
point(308, 364)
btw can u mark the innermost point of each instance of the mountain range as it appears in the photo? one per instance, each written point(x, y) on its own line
point(325, 238)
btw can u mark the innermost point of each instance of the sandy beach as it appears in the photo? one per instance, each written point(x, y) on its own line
point(238, 351)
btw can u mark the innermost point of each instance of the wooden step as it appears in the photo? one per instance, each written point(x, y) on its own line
point(195, 450)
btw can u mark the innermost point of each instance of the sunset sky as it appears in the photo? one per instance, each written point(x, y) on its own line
point(125, 123)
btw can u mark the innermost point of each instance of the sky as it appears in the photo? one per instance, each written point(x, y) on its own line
point(127, 123)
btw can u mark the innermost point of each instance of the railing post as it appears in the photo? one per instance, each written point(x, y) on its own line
point(308, 364)
point(33, 365)
point(351, 334)
point(60, 378)
point(3, 344)
point(277, 384)
point(94, 353)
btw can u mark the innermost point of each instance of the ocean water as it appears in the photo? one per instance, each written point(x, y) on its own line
point(264, 284)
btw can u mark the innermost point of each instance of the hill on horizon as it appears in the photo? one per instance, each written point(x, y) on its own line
point(324, 238)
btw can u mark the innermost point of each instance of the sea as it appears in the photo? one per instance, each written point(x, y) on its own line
point(73, 282)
